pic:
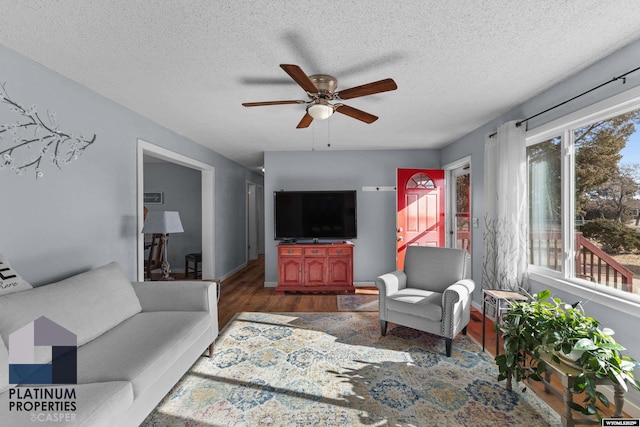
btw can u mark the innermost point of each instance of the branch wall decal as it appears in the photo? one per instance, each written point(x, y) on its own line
point(30, 139)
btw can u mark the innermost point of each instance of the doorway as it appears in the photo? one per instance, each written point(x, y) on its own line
point(460, 229)
point(460, 222)
point(172, 187)
point(420, 210)
point(252, 222)
point(207, 173)
point(255, 220)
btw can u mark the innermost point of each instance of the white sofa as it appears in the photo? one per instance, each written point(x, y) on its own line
point(135, 341)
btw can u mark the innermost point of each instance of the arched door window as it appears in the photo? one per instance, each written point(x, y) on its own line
point(420, 181)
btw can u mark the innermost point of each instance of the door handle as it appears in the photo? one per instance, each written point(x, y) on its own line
point(400, 230)
point(400, 238)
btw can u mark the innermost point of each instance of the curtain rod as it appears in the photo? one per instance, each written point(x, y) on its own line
point(621, 76)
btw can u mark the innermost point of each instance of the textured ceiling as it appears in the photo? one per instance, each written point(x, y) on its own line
point(189, 65)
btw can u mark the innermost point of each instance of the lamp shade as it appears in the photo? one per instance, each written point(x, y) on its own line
point(162, 222)
point(320, 111)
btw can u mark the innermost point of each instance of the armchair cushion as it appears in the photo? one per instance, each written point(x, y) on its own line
point(417, 302)
point(434, 268)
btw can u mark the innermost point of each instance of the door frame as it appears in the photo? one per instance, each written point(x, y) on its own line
point(207, 173)
point(450, 200)
point(253, 244)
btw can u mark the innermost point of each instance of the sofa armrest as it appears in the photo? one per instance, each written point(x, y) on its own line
point(178, 296)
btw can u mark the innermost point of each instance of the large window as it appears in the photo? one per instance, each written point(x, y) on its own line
point(545, 207)
point(584, 201)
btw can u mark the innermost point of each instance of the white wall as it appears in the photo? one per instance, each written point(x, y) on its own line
point(85, 215)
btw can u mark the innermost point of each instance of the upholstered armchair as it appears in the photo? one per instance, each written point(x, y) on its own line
point(431, 294)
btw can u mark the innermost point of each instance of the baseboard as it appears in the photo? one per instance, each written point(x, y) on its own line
point(364, 284)
point(477, 306)
point(356, 284)
point(232, 272)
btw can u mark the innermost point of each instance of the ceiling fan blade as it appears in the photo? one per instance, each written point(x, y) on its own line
point(300, 77)
point(356, 114)
point(260, 104)
point(368, 89)
point(305, 122)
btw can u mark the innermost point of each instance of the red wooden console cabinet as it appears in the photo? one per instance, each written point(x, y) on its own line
point(315, 268)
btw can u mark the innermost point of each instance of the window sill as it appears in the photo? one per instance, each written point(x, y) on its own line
point(627, 303)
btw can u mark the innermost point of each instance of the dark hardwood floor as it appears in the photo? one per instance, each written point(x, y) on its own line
point(245, 291)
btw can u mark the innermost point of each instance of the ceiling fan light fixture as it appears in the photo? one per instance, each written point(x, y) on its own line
point(320, 110)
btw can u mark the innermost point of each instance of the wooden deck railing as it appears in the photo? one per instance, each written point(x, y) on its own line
point(594, 263)
point(545, 249)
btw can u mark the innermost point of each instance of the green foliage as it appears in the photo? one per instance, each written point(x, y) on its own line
point(547, 325)
point(613, 236)
point(598, 147)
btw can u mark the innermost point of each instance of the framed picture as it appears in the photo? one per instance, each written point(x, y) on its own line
point(154, 198)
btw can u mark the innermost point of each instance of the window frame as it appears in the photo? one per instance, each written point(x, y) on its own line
point(563, 127)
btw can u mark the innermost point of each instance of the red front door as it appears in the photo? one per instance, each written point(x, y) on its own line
point(420, 219)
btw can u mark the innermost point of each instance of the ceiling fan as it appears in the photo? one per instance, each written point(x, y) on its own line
point(321, 88)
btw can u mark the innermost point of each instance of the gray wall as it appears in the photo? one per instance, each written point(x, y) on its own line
point(182, 191)
point(85, 215)
point(620, 62)
point(374, 251)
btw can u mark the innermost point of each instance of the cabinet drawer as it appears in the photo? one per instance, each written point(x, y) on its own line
point(339, 251)
point(315, 251)
point(290, 251)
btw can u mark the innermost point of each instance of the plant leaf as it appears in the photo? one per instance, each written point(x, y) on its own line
point(585, 344)
point(621, 380)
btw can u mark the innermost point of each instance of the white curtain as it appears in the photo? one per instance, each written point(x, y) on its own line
point(505, 201)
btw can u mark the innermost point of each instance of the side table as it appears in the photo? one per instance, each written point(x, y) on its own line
point(499, 300)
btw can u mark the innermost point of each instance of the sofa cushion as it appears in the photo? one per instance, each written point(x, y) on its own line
point(140, 348)
point(417, 302)
point(10, 281)
point(88, 305)
point(95, 406)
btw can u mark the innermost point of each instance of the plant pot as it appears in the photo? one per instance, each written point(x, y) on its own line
point(570, 358)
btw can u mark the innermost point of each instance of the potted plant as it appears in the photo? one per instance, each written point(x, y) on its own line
point(547, 325)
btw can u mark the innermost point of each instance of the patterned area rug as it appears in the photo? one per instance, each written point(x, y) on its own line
point(357, 302)
point(334, 369)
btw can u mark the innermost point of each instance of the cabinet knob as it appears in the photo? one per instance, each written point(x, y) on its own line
point(315, 251)
point(339, 251)
point(290, 251)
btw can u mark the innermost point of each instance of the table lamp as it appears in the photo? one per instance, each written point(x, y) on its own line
point(164, 223)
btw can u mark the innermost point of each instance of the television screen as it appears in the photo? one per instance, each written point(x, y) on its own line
point(315, 215)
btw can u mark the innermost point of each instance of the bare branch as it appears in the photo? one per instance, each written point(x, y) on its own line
point(29, 139)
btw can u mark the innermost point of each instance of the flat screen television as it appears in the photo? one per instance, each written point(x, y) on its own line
point(302, 215)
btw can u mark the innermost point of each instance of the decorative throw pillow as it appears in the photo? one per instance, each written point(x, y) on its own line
point(10, 281)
